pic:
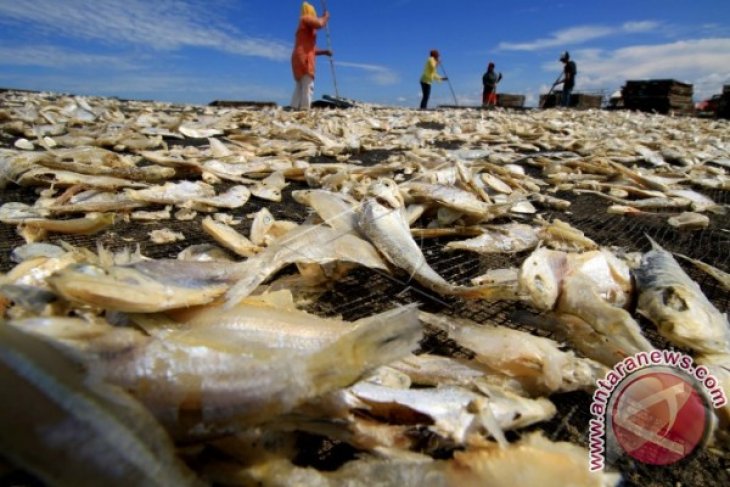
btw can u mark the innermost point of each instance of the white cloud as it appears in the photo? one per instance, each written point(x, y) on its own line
point(380, 75)
point(53, 57)
point(579, 35)
point(702, 62)
point(157, 86)
point(642, 26)
point(159, 24)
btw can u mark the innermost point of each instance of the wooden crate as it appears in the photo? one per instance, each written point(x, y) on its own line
point(577, 100)
point(659, 95)
point(507, 100)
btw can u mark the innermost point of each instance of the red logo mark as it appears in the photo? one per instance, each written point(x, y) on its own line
point(659, 417)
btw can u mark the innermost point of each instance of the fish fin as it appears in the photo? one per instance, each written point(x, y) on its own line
point(440, 322)
point(375, 341)
point(654, 244)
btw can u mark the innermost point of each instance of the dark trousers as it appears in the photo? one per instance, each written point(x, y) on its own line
point(567, 91)
point(426, 90)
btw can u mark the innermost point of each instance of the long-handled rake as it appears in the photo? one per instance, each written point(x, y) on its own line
point(456, 102)
point(329, 46)
point(557, 81)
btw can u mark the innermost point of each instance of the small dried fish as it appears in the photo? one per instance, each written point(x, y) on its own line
point(214, 386)
point(456, 412)
point(270, 187)
point(722, 277)
point(677, 306)
point(335, 209)
point(305, 244)
point(235, 197)
point(689, 221)
point(144, 287)
point(149, 216)
point(80, 226)
point(538, 363)
point(387, 228)
point(60, 178)
point(508, 238)
point(173, 193)
point(229, 238)
point(165, 236)
point(67, 429)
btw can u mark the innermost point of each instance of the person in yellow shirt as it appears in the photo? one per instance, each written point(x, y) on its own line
point(428, 76)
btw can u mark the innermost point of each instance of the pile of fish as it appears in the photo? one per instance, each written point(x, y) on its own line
point(205, 367)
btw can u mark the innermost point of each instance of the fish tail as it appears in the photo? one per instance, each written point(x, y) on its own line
point(375, 341)
point(249, 275)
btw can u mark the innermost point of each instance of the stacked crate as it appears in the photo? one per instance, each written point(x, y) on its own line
point(577, 100)
point(510, 101)
point(658, 95)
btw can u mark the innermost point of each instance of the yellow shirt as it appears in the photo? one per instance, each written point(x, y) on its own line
point(429, 71)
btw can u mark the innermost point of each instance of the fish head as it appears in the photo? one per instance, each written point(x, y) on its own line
point(386, 192)
point(541, 277)
point(692, 320)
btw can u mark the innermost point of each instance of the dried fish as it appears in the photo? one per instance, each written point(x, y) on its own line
point(270, 187)
point(538, 363)
point(230, 238)
point(165, 235)
point(223, 388)
point(305, 244)
point(677, 306)
point(689, 221)
point(82, 226)
point(722, 277)
point(508, 238)
point(235, 197)
point(144, 287)
point(67, 430)
point(148, 216)
point(387, 228)
point(456, 412)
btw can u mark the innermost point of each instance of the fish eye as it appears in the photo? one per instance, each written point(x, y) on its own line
point(673, 300)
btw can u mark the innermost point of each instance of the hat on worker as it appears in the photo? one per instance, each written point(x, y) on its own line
point(434, 53)
point(308, 9)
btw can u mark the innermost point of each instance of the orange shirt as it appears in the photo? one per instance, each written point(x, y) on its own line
point(302, 57)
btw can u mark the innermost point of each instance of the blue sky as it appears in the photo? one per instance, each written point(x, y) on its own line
point(196, 51)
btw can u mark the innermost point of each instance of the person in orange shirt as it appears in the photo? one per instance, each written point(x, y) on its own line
point(303, 55)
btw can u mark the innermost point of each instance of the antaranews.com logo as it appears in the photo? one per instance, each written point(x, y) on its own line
point(656, 406)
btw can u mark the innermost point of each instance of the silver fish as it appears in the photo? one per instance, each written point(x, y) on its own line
point(68, 430)
point(388, 229)
point(677, 306)
point(305, 244)
point(145, 287)
point(203, 386)
point(508, 238)
point(538, 363)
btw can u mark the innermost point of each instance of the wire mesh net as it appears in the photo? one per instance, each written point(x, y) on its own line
point(364, 292)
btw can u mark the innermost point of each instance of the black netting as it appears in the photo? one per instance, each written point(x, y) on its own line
point(364, 292)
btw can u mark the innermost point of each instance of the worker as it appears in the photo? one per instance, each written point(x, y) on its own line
point(568, 79)
point(428, 76)
point(490, 80)
point(303, 55)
